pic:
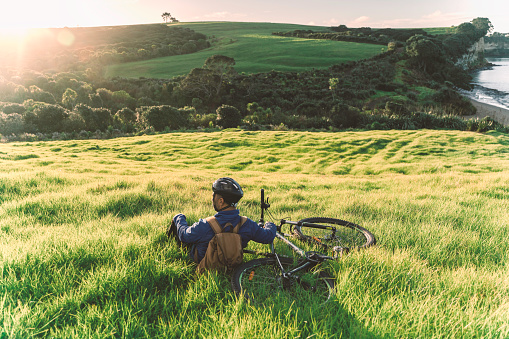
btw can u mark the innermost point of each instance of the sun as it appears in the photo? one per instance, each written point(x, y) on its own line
point(19, 15)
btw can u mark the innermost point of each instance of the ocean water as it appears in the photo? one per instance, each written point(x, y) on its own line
point(491, 86)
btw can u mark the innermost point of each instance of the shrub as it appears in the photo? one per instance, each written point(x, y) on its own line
point(228, 116)
point(102, 118)
point(203, 120)
point(126, 115)
point(10, 108)
point(344, 116)
point(396, 108)
point(258, 115)
point(425, 120)
point(309, 109)
point(161, 117)
point(49, 118)
point(11, 124)
point(456, 103)
point(74, 123)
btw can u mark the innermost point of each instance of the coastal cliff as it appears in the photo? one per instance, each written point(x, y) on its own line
point(475, 56)
point(497, 48)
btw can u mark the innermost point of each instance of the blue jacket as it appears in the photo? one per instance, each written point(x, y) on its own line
point(200, 233)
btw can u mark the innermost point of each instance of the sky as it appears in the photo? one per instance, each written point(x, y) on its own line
point(20, 14)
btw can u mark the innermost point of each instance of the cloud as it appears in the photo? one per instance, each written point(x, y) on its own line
point(361, 19)
point(434, 19)
point(434, 15)
point(223, 16)
point(331, 22)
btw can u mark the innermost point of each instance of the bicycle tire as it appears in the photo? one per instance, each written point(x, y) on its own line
point(260, 280)
point(348, 236)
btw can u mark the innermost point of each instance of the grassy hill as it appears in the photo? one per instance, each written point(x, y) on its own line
point(83, 251)
point(254, 49)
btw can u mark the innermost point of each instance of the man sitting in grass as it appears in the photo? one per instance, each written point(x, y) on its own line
point(226, 194)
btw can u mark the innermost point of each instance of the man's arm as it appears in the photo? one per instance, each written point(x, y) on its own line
point(189, 234)
point(265, 234)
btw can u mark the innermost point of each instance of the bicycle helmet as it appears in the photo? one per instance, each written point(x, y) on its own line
point(229, 189)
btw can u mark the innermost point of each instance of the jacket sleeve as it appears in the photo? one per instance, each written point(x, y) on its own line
point(265, 234)
point(190, 234)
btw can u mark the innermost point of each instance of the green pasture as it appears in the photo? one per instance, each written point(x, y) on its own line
point(83, 252)
point(440, 30)
point(254, 49)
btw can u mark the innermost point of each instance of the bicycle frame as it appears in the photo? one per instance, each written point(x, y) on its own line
point(309, 262)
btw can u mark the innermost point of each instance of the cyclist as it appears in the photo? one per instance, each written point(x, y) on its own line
point(226, 193)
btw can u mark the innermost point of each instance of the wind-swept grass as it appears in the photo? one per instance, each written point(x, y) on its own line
point(83, 251)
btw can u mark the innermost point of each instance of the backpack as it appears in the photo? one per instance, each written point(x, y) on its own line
point(225, 248)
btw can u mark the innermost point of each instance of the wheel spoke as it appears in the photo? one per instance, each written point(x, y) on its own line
point(261, 280)
point(346, 235)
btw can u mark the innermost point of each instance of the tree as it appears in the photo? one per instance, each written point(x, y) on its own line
point(469, 30)
point(222, 66)
point(206, 83)
point(424, 52)
point(88, 115)
point(164, 116)
point(166, 16)
point(102, 118)
point(69, 98)
point(483, 26)
point(49, 118)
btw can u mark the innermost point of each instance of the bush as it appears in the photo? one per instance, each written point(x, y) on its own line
point(49, 118)
point(396, 108)
point(10, 108)
point(454, 102)
point(73, 123)
point(162, 117)
point(11, 124)
point(88, 116)
point(126, 115)
point(228, 116)
point(344, 116)
point(203, 120)
point(483, 125)
point(102, 118)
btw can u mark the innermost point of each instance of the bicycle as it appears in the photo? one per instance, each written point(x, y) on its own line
point(265, 278)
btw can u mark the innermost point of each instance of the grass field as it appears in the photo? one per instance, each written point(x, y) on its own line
point(254, 49)
point(83, 252)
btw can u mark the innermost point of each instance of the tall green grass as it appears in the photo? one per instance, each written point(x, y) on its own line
point(254, 49)
point(83, 251)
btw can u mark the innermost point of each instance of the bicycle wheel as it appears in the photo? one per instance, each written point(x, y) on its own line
point(347, 235)
point(261, 280)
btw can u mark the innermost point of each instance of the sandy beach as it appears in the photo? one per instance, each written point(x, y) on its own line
point(497, 113)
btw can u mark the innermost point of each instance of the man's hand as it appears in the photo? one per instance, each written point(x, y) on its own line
point(179, 215)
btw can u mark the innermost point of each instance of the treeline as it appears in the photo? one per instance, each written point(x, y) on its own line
point(501, 43)
point(410, 86)
point(453, 45)
point(73, 49)
point(362, 35)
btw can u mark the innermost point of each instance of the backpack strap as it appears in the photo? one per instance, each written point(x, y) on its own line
point(214, 224)
point(217, 228)
point(239, 225)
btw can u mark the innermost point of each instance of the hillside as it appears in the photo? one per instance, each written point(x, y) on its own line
point(254, 49)
point(83, 251)
point(344, 78)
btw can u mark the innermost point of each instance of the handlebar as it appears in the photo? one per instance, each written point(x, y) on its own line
point(264, 204)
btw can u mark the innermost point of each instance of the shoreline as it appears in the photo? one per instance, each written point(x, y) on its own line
point(499, 114)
